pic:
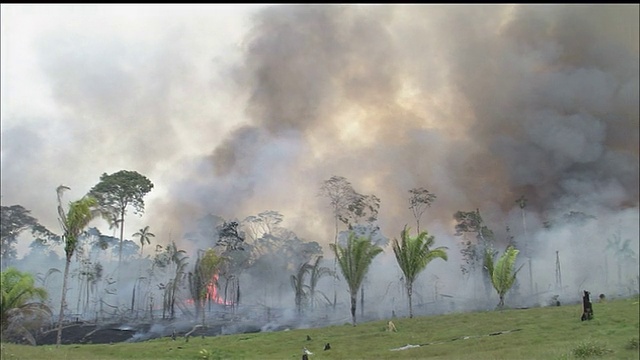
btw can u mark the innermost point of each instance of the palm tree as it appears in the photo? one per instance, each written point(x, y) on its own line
point(503, 273)
point(413, 255)
point(18, 290)
point(73, 222)
point(622, 251)
point(297, 283)
point(354, 260)
point(145, 236)
point(317, 272)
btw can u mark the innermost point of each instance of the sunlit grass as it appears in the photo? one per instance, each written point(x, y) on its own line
point(542, 333)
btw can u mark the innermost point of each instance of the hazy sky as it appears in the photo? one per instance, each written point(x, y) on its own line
point(237, 109)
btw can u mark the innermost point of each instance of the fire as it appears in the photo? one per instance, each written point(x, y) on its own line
point(212, 293)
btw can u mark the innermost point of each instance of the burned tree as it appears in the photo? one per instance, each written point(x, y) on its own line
point(522, 203)
point(299, 287)
point(340, 194)
point(419, 201)
point(231, 240)
point(202, 279)
point(478, 251)
point(587, 307)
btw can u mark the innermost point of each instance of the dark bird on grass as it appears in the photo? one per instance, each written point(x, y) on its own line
point(308, 338)
point(305, 357)
point(327, 346)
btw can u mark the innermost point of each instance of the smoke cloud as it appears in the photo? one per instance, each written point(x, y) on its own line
point(478, 104)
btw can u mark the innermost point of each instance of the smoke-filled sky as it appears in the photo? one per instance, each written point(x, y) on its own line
point(237, 109)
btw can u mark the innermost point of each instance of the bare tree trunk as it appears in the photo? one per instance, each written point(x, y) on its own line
point(63, 300)
point(409, 293)
point(354, 302)
point(121, 239)
point(362, 301)
point(335, 267)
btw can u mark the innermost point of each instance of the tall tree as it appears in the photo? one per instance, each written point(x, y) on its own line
point(419, 201)
point(413, 255)
point(144, 234)
point(474, 252)
point(340, 194)
point(73, 223)
point(21, 301)
point(118, 191)
point(522, 203)
point(262, 224)
point(14, 220)
point(503, 272)
point(354, 260)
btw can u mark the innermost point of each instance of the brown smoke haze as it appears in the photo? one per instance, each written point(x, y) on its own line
point(237, 110)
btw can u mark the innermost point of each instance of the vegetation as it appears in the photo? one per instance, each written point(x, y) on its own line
point(413, 255)
point(503, 272)
point(354, 260)
point(145, 235)
point(14, 220)
point(73, 223)
point(22, 307)
point(474, 252)
point(118, 191)
point(548, 333)
point(339, 192)
point(419, 201)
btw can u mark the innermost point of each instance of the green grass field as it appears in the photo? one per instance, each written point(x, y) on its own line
point(542, 333)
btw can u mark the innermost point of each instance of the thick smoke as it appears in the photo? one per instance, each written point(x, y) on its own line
point(478, 104)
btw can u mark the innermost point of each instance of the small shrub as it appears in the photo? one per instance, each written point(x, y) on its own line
point(205, 354)
point(589, 348)
point(632, 344)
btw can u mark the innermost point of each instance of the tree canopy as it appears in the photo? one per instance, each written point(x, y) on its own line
point(116, 192)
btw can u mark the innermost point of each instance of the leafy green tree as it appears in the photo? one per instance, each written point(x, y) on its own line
point(22, 302)
point(73, 222)
point(354, 260)
point(145, 236)
point(419, 201)
point(413, 255)
point(503, 272)
point(118, 191)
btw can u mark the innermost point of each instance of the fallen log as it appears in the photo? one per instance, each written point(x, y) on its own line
point(409, 346)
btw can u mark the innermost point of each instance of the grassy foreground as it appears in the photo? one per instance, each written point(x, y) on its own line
point(542, 333)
